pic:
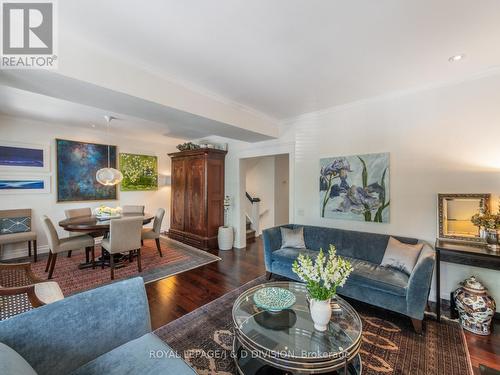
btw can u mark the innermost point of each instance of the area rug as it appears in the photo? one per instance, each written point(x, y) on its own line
point(390, 346)
point(176, 258)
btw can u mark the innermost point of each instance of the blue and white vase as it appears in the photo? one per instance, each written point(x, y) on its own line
point(476, 307)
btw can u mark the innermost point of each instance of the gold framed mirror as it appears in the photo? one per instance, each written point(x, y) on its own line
point(455, 212)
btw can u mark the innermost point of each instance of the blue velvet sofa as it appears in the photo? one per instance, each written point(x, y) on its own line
point(369, 282)
point(103, 331)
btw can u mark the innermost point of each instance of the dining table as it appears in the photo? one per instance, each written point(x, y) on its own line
point(98, 226)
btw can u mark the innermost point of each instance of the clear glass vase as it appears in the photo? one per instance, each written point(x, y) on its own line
point(492, 238)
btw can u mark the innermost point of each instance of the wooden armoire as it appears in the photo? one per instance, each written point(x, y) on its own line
point(197, 209)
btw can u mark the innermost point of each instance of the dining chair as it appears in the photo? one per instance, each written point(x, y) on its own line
point(130, 209)
point(79, 212)
point(124, 236)
point(154, 233)
point(58, 245)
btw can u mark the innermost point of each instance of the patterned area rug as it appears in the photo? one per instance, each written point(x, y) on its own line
point(390, 346)
point(176, 258)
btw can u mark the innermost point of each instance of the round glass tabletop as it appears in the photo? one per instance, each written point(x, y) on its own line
point(288, 337)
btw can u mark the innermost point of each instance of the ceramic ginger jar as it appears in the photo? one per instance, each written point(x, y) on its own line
point(476, 307)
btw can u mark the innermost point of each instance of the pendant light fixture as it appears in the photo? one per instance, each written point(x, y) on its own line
point(108, 176)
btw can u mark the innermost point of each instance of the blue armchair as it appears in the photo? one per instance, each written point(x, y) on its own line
point(102, 331)
point(371, 283)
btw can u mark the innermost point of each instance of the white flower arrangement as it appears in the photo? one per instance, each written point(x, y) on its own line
point(324, 275)
point(108, 211)
point(227, 206)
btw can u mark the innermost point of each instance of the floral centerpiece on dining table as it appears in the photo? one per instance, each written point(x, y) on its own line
point(108, 212)
point(322, 277)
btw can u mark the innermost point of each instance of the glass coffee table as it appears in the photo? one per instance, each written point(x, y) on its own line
point(286, 342)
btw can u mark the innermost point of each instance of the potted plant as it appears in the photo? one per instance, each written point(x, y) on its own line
point(225, 236)
point(322, 277)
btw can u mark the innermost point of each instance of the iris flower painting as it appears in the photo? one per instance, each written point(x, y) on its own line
point(77, 164)
point(355, 187)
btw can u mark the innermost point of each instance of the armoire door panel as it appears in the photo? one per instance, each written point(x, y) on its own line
point(196, 196)
point(178, 194)
point(215, 177)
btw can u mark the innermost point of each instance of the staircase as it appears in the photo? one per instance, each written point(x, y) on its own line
point(252, 216)
point(250, 232)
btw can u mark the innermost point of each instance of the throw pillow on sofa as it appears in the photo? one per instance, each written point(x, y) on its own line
point(401, 256)
point(292, 238)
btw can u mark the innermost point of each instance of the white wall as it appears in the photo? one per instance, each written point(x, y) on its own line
point(260, 179)
point(28, 131)
point(281, 190)
point(441, 140)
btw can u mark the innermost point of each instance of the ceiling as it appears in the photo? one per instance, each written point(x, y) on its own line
point(288, 57)
point(19, 103)
point(45, 96)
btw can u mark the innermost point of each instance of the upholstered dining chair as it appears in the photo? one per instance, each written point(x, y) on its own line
point(79, 212)
point(58, 245)
point(124, 236)
point(130, 209)
point(154, 233)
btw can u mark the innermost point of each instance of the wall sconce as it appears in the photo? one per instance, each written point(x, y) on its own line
point(164, 180)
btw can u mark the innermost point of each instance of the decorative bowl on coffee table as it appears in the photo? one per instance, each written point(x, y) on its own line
point(274, 299)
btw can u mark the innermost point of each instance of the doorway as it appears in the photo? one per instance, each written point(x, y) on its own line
point(267, 193)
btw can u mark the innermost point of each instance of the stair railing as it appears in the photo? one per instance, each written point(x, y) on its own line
point(254, 212)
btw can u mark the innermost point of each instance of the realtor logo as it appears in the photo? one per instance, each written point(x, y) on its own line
point(28, 35)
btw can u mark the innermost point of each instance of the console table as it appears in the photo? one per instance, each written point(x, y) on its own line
point(468, 253)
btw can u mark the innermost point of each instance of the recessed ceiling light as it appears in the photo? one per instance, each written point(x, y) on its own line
point(456, 58)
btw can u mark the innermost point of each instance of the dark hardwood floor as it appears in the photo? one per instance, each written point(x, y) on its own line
point(485, 350)
point(175, 296)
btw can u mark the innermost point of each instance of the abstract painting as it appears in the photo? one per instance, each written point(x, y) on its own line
point(10, 184)
point(21, 184)
point(355, 187)
point(140, 172)
point(77, 164)
point(24, 157)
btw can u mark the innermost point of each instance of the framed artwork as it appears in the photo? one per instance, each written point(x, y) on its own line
point(355, 187)
point(77, 164)
point(140, 172)
point(24, 157)
point(24, 184)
